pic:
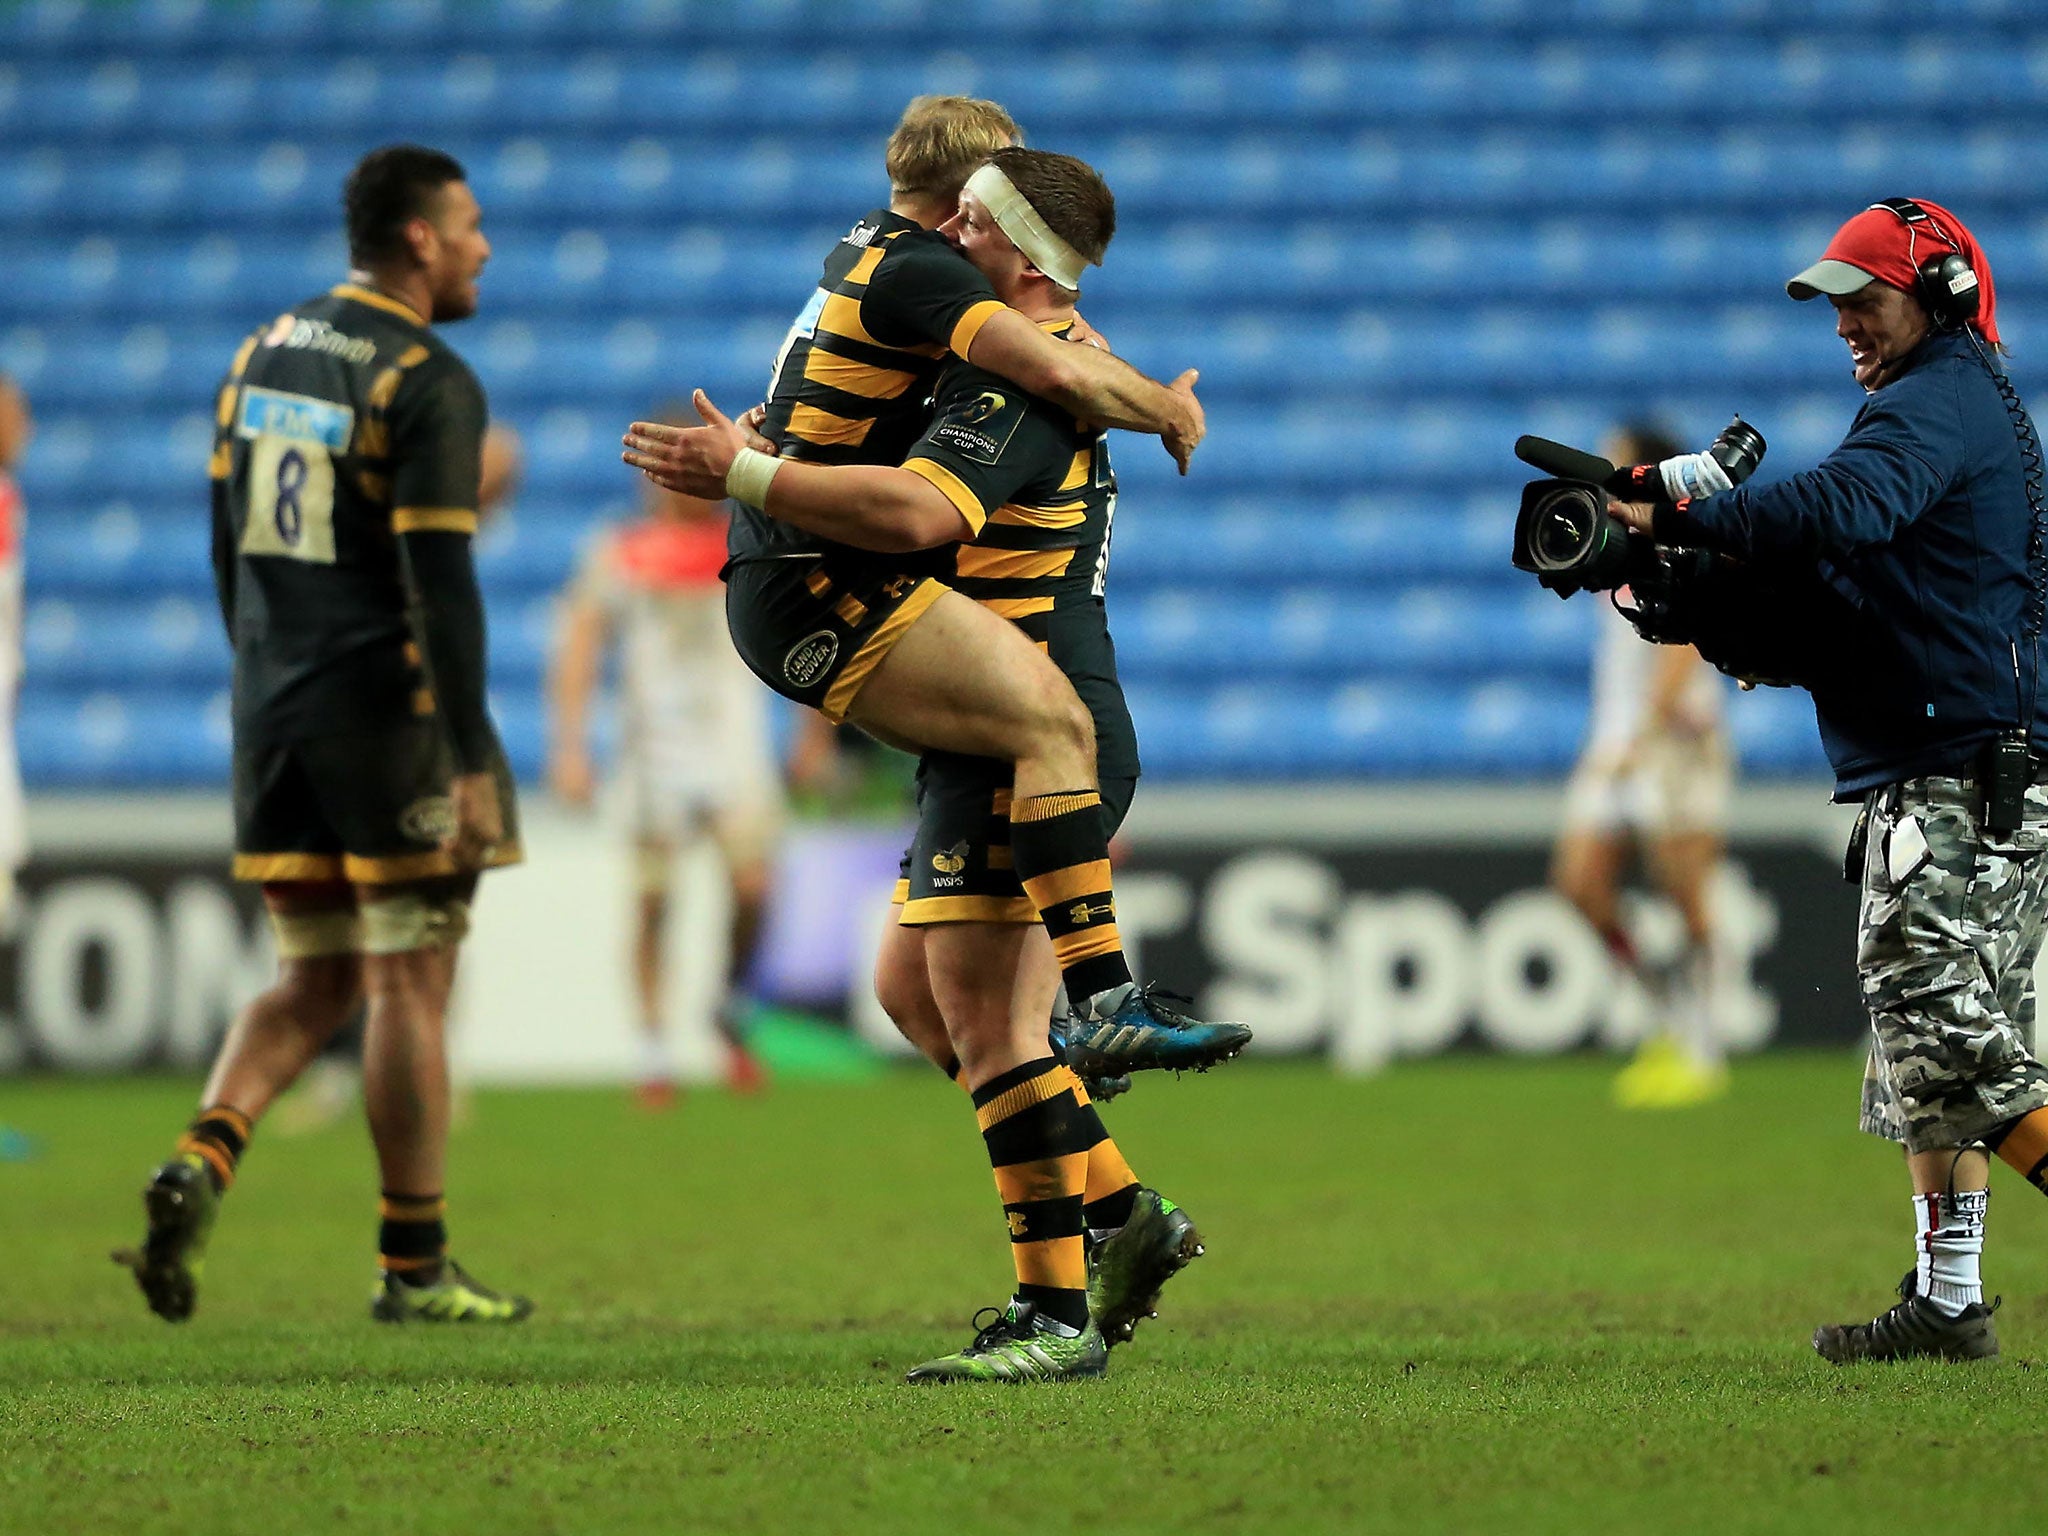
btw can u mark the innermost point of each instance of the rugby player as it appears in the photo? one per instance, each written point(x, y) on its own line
point(873, 636)
point(369, 786)
point(1027, 492)
point(695, 752)
point(1653, 779)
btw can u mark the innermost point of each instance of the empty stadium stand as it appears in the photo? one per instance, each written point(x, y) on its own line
point(1393, 234)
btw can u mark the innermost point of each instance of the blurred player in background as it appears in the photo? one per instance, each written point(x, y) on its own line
point(695, 753)
point(17, 426)
point(370, 788)
point(1653, 784)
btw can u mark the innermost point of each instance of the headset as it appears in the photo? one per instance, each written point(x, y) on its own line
point(1945, 283)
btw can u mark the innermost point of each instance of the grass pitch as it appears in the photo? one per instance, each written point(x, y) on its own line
point(1467, 1295)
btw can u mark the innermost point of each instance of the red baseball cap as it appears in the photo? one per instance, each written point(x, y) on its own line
point(1885, 244)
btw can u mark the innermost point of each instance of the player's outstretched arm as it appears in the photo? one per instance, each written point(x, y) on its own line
point(1093, 384)
point(868, 506)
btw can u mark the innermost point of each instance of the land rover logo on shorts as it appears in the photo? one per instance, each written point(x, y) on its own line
point(428, 819)
point(989, 403)
point(809, 658)
point(950, 861)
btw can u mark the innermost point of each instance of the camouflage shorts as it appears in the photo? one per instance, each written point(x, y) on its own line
point(1951, 922)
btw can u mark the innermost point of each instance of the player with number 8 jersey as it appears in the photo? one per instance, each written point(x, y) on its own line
point(343, 425)
point(369, 785)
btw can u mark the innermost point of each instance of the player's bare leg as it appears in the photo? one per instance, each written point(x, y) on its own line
point(961, 679)
point(1684, 864)
point(654, 860)
point(405, 1066)
point(903, 988)
point(749, 881)
point(267, 1047)
point(283, 1028)
point(1586, 871)
point(411, 939)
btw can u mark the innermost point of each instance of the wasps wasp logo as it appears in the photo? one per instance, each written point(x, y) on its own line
point(986, 406)
point(950, 861)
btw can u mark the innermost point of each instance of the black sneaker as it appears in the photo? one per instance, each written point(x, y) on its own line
point(180, 1205)
point(1914, 1329)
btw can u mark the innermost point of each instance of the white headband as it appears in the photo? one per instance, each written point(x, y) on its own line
point(1015, 216)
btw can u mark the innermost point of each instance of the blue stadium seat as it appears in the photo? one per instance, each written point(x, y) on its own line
point(1393, 234)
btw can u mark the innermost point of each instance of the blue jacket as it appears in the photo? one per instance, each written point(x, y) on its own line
point(1920, 520)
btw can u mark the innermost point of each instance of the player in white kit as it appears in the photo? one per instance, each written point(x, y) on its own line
point(695, 753)
point(1653, 781)
point(16, 427)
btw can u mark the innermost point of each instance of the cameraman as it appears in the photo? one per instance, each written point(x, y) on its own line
point(1918, 538)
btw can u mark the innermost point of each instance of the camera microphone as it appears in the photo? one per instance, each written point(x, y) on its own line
point(1565, 463)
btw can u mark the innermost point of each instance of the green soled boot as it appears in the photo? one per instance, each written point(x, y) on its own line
point(454, 1298)
point(1018, 1347)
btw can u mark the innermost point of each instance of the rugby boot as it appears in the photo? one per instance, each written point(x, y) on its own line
point(1914, 1329)
point(180, 1204)
point(454, 1298)
point(1099, 1089)
point(1666, 1076)
point(1127, 1270)
point(1016, 1348)
point(1139, 1029)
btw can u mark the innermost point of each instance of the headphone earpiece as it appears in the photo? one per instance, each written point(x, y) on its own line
point(1948, 291)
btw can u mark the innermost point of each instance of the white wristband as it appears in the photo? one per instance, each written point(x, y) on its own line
point(1693, 475)
point(747, 480)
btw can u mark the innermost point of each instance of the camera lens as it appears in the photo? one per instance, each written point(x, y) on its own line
point(1565, 523)
point(1739, 449)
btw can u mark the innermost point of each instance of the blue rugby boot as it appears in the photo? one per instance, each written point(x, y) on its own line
point(1141, 1029)
point(1100, 1090)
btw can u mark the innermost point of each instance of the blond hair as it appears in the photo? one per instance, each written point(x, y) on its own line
point(943, 140)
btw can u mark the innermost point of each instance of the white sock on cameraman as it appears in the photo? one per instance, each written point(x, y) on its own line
point(1950, 1241)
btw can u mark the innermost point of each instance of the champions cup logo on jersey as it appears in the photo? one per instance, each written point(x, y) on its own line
point(982, 428)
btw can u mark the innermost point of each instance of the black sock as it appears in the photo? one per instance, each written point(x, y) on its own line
point(1061, 850)
point(218, 1137)
point(413, 1237)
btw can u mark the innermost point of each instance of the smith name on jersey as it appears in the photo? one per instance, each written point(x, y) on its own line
point(341, 425)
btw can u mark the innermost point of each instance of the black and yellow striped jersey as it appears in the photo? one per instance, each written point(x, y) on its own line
point(341, 424)
point(1038, 489)
point(854, 376)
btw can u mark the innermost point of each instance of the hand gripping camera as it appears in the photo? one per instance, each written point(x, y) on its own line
point(1567, 539)
point(1784, 626)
